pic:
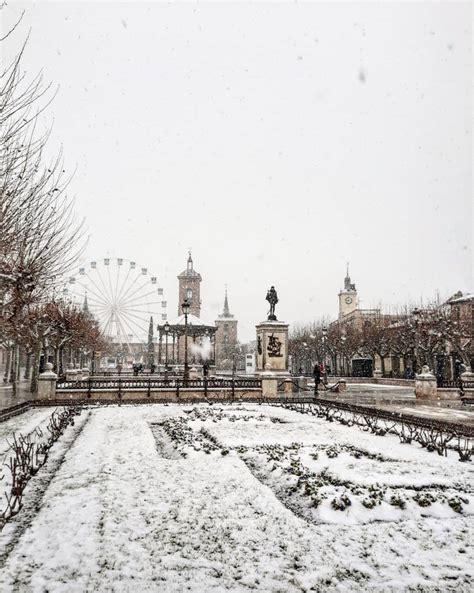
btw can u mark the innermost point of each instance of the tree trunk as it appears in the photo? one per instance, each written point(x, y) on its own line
point(27, 366)
point(60, 369)
point(7, 365)
point(34, 370)
point(19, 363)
point(13, 364)
point(14, 368)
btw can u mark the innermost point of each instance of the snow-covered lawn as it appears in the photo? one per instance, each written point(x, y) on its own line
point(167, 498)
point(24, 424)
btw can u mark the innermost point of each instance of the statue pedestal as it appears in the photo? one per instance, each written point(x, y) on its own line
point(425, 385)
point(467, 376)
point(47, 383)
point(272, 348)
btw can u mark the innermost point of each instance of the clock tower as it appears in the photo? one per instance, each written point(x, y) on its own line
point(348, 300)
point(190, 288)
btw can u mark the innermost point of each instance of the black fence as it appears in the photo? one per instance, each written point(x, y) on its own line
point(454, 383)
point(8, 413)
point(119, 385)
point(158, 383)
point(448, 383)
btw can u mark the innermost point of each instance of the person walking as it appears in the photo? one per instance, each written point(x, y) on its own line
point(316, 377)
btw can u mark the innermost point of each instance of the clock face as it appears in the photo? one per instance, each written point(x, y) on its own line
point(348, 300)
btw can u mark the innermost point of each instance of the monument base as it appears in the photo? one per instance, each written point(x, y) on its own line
point(272, 348)
point(426, 385)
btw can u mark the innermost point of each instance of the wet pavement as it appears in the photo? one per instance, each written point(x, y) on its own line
point(402, 399)
point(8, 399)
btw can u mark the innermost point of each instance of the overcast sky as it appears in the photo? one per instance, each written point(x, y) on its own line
point(277, 140)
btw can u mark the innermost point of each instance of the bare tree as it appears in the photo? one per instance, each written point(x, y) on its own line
point(39, 239)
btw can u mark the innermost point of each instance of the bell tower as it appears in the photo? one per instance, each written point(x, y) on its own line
point(189, 282)
point(226, 337)
point(348, 299)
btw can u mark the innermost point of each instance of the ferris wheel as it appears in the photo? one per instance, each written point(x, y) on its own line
point(121, 295)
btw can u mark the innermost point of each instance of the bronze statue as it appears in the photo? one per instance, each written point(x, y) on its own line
point(272, 298)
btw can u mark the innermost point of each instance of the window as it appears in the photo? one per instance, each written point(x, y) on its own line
point(189, 294)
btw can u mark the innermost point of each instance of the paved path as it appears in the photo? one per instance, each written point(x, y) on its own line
point(402, 399)
point(7, 399)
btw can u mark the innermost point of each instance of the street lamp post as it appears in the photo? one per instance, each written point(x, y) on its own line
point(324, 337)
point(305, 357)
point(416, 316)
point(167, 331)
point(344, 358)
point(185, 307)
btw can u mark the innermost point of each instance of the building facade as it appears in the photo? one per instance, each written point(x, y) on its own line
point(212, 343)
point(399, 344)
point(348, 299)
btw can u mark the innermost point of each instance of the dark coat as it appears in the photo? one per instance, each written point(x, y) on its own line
point(317, 373)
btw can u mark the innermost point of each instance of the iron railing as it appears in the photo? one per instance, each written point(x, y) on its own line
point(8, 413)
point(434, 435)
point(157, 384)
point(448, 383)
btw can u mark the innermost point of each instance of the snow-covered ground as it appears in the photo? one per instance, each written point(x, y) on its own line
point(24, 424)
point(164, 498)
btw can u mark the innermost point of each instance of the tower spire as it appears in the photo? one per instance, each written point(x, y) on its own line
point(150, 330)
point(226, 311)
point(347, 280)
point(85, 304)
point(150, 346)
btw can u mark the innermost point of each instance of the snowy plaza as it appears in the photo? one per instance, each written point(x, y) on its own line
point(237, 497)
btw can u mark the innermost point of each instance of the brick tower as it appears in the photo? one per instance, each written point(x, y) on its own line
point(190, 288)
point(226, 337)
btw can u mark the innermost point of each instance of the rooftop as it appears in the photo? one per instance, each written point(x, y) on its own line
point(466, 298)
point(192, 320)
point(190, 272)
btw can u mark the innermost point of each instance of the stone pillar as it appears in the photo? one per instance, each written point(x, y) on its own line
point(71, 375)
point(425, 385)
point(47, 383)
point(467, 376)
point(272, 348)
point(269, 384)
point(342, 385)
point(377, 374)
